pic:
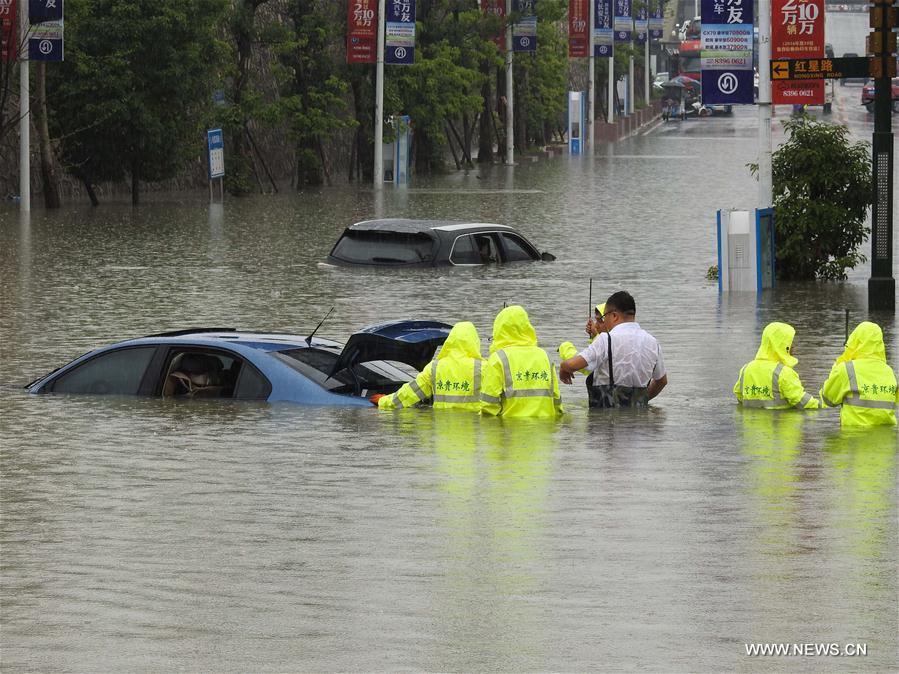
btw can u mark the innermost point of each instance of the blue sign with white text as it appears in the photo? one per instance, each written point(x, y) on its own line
point(624, 23)
point(215, 141)
point(399, 32)
point(726, 52)
point(603, 35)
point(524, 32)
point(40, 11)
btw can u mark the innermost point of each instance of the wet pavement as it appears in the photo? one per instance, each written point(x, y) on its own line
point(143, 535)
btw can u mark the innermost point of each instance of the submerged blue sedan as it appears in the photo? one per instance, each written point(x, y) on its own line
point(226, 363)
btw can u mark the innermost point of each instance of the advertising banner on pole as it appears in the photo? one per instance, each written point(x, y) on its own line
point(797, 32)
point(641, 26)
point(656, 21)
point(524, 33)
point(215, 143)
point(497, 8)
point(726, 52)
point(9, 32)
point(603, 35)
point(45, 37)
point(362, 31)
point(578, 18)
point(399, 32)
point(624, 23)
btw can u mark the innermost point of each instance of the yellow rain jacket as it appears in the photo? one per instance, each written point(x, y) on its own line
point(519, 379)
point(568, 350)
point(452, 380)
point(862, 382)
point(770, 381)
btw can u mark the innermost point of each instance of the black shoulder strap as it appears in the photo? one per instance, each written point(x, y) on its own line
point(611, 374)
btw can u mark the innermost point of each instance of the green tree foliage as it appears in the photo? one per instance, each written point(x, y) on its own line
point(822, 191)
point(127, 99)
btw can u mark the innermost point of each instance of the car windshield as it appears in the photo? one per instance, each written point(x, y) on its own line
point(372, 376)
point(382, 247)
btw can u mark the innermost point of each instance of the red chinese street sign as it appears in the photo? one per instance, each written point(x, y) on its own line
point(797, 32)
point(497, 7)
point(578, 19)
point(362, 31)
point(9, 34)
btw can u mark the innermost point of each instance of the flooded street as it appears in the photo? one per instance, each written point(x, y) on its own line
point(149, 535)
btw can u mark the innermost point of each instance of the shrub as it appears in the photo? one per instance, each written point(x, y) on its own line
point(822, 188)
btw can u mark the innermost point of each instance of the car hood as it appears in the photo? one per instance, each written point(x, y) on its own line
point(411, 342)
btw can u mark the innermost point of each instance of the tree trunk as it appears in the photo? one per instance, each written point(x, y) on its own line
point(452, 148)
point(485, 135)
point(48, 160)
point(89, 188)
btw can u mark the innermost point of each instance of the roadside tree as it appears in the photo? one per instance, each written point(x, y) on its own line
point(822, 191)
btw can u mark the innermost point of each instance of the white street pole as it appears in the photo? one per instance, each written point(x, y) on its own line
point(646, 68)
point(378, 176)
point(510, 90)
point(630, 85)
point(611, 92)
point(24, 114)
point(591, 82)
point(766, 198)
point(695, 9)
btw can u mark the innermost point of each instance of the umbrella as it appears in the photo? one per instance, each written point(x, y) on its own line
point(685, 82)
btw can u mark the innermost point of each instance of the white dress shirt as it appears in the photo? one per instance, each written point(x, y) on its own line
point(636, 356)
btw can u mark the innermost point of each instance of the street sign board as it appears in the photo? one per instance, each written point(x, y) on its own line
point(726, 52)
point(215, 142)
point(578, 37)
point(797, 32)
point(524, 32)
point(603, 35)
point(362, 31)
point(820, 69)
point(45, 41)
point(40, 11)
point(399, 33)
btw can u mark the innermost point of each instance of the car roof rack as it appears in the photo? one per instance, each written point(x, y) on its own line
point(190, 331)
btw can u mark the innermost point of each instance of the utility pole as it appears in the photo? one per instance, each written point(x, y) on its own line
point(510, 89)
point(24, 113)
point(882, 286)
point(611, 92)
point(591, 82)
point(766, 197)
point(378, 177)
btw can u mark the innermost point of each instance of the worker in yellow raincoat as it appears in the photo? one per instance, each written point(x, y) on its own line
point(519, 378)
point(593, 328)
point(770, 381)
point(451, 381)
point(861, 382)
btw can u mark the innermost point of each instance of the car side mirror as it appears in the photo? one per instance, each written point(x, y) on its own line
point(547, 257)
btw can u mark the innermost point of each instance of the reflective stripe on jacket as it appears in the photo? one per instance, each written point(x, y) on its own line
point(520, 381)
point(773, 386)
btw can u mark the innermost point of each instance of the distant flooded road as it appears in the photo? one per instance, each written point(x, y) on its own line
point(160, 535)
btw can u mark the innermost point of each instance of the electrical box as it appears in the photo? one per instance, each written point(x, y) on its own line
point(398, 155)
point(746, 250)
point(577, 114)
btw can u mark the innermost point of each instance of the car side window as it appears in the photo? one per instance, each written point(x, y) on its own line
point(487, 246)
point(211, 373)
point(117, 372)
point(517, 250)
point(464, 251)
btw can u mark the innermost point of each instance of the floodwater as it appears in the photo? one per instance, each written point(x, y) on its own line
point(150, 535)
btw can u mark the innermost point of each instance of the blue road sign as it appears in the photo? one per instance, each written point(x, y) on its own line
point(726, 52)
point(399, 33)
point(40, 11)
point(215, 141)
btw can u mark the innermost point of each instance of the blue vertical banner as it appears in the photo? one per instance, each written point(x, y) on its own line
point(641, 25)
point(726, 52)
point(603, 35)
point(45, 36)
point(215, 145)
point(624, 22)
point(399, 32)
point(524, 33)
point(657, 20)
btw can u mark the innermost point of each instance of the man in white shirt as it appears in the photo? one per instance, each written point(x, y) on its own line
point(626, 361)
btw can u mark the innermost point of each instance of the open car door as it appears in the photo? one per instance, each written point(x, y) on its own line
point(411, 342)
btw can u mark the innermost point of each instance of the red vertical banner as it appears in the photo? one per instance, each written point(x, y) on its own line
point(9, 33)
point(498, 8)
point(578, 20)
point(362, 31)
point(797, 32)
